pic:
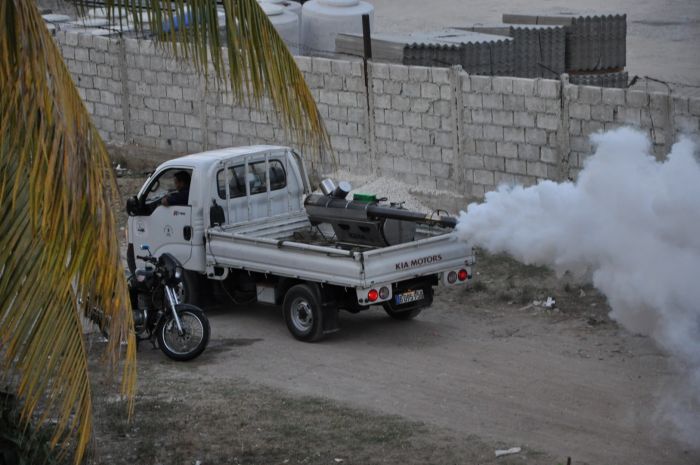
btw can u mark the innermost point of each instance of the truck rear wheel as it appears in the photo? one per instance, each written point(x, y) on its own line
point(408, 314)
point(303, 313)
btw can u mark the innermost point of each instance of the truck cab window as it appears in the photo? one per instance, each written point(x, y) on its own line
point(256, 179)
point(173, 183)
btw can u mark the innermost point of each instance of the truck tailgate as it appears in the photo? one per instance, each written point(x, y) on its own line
point(413, 259)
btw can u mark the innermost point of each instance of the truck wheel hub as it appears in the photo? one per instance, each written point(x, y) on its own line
point(302, 315)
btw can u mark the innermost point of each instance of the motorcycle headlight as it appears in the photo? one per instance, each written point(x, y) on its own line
point(178, 273)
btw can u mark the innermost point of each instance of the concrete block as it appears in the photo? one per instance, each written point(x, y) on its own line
point(514, 166)
point(529, 152)
point(410, 89)
point(400, 103)
point(507, 149)
point(383, 131)
point(466, 84)
point(398, 72)
point(340, 143)
point(503, 118)
point(515, 134)
point(548, 155)
point(328, 97)
point(440, 170)
point(629, 115)
point(484, 147)
point(591, 95)
point(472, 100)
point(548, 88)
point(612, 96)
point(603, 113)
point(680, 105)
point(474, 131)
point(483, 177)
point(382, 101)
point(331, 82)
point(176, 119)
point(504, 179)
point(482, 116)
point(545, 121)
point(421, 136)
point(590, 127)
point(413, 150)
point(392, 87)
point(535, 168)
point(502, 85)
point(535, 104)
point(492, 132)
point(419, 167)
point(442, 108)
point(580, 111)
point(523, 87)
point(412, 120)
point(418, 105)
point(321, 65)
point(401, 133)
point(446, 92)
point(495, 163)
point(418, 73)
point(571, 92)
point(694, 106)
point(637, 98)
point(513, 102)
point(71, 38)
point(430, 121)
point(338, 113)
point(473, 161)
point(480, 84)
point(493, 101)
point(348, 99)
point(523, 119)
point(535, 136)
point(552, 106)
point(440, 75)
point(429, 90)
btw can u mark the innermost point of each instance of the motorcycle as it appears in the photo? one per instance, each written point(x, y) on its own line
point(180, 330)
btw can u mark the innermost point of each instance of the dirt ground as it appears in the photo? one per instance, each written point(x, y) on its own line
point(484, 368)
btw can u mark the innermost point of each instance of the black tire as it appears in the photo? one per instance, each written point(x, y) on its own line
point(303, 313)
point(402, 315)
point(193, 321)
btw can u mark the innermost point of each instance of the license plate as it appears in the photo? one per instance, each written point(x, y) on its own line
point(408, 297)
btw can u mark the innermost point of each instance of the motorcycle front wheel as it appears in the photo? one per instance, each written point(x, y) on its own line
point(194, 337)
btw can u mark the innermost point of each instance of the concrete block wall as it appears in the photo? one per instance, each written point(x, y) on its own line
point(434, 128)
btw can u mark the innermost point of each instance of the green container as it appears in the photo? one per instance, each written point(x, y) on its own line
point(365, 198)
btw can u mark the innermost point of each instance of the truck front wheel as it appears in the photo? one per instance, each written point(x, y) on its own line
point(303, 313)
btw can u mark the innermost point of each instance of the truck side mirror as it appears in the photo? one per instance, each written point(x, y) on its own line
point(132, 206)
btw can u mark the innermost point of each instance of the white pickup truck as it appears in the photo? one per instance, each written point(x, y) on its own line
point(243, 225)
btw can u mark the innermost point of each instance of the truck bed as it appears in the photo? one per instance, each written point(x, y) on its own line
point(284, 246)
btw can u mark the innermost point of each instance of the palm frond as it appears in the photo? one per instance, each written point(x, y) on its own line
point(57, 232)
point(247, 56)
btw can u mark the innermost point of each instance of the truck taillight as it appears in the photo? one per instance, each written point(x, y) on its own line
point(462, 275)
point(452, 277)
point(373, 295)
point(384, 293)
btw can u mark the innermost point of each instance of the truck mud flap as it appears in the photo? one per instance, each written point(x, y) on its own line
point(330, 317)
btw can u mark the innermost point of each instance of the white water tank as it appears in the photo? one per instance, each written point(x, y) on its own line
point(294, 7)
point(322, 20)
point(286, 23)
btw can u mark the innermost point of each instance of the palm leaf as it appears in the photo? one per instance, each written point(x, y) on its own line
point(247, 56)
point(57, 233)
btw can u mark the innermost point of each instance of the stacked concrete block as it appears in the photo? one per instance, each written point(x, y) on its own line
point(413, 123)
point(434, 128)
point(510, 130)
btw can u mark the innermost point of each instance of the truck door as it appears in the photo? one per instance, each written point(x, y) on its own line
point(164, 228)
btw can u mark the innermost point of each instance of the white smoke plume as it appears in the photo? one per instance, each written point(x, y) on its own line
point(633, 223)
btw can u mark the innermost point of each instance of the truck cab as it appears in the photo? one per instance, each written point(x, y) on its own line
point(246, 183)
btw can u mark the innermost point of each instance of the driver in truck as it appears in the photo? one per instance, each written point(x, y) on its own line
point(182, 190)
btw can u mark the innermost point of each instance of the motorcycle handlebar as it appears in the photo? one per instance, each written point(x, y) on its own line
point(146, 258)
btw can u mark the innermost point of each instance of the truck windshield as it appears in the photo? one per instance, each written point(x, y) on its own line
point(257, 179)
